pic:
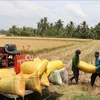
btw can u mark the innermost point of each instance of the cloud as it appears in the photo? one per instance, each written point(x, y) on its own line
point(20, 13)
point(28, 13)
point(19, 8)
point(76, 10)
point(93, 9)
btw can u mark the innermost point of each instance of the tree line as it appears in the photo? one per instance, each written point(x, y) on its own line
point(57, 29)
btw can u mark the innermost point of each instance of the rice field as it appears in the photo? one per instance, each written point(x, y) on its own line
point(63, 49)
point(34, 44)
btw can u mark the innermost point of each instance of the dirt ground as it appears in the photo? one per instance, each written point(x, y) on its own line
point(65, 54)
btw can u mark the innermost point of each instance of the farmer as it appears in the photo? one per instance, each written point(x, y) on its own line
point(97, 64)
point(75, 69)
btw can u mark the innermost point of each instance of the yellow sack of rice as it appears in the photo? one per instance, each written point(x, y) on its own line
point(44, 80)
point(37, 59)
point(4, 70)
point(53, 65)
point(7, 73)
point(55, 77)
point(29, 67)
point(32, 82)
point(42, 66)
point(85, 67)
point(13, 85)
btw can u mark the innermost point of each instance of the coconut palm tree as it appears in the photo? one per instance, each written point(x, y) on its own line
point(71, 29)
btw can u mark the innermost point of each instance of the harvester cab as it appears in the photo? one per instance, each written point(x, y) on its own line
point(7, 54)
point(11, 49)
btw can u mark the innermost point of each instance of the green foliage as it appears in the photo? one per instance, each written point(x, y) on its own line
point(2, 32)
point(56, 29)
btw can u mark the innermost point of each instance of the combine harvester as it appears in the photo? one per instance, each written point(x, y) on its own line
point(11, 58)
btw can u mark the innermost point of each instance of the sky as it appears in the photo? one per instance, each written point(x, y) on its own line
point(29, 12)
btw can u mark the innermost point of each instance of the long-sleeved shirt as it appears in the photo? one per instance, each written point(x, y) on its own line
point(75, 61)
point(97, 64)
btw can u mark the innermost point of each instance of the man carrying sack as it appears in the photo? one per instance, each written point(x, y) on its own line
point(97, 64)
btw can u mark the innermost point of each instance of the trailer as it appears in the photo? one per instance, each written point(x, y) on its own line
point(4, 96)
point(29, 95)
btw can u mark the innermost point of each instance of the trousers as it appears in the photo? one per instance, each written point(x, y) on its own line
point(93, 77)
point(76, 76)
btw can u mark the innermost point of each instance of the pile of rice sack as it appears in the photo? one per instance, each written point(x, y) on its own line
point(33, 75)
point(49, 71)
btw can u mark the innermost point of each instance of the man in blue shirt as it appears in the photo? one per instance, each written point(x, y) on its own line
point(97, 64)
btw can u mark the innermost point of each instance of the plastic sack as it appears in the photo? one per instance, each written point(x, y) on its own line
point(55, 77)
point(85, 67)
point(64, 75)
point(42, 66)
point(53, 65)
point(29, 67)
point(13, 85)
point(37, 59)
point(4, 70)
point(7, 74)
point(32, 82)
point(44, 80)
